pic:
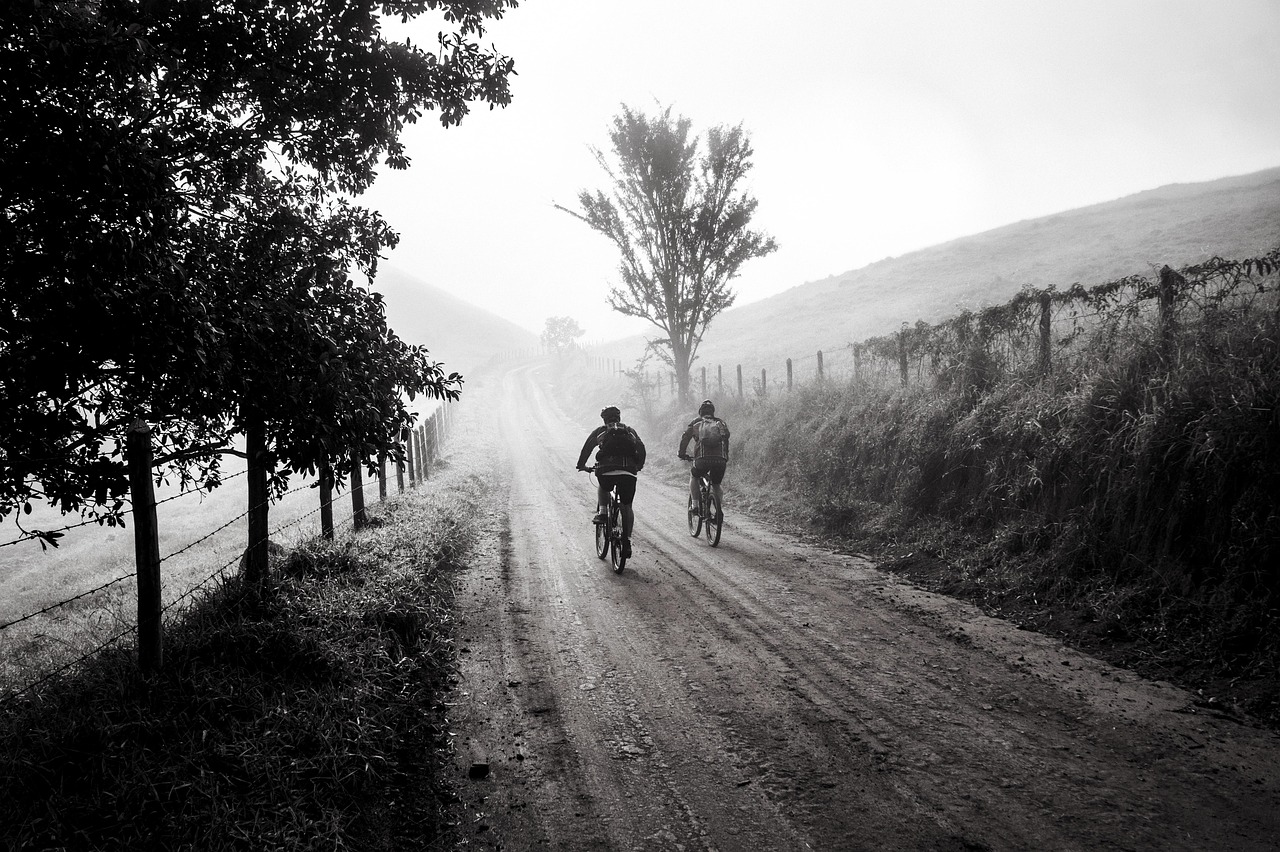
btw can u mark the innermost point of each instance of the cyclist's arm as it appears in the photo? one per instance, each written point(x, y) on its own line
point(587, 447)
point(685, 439)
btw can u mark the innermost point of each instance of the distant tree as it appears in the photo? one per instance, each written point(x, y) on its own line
point(559, 334)
point(680, 218)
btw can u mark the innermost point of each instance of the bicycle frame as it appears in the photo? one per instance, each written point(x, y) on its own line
point(609, 534)
point(706, 516)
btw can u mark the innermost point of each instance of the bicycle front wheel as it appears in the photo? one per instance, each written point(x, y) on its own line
point(695, 519)
point(714, 520)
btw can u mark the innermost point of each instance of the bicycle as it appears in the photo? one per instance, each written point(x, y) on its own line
point(708, 515)
point(609, 533)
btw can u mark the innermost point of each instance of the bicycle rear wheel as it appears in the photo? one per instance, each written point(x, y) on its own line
point(714, 520)
point(602, 540)
point(695, 519)
point(615, 535)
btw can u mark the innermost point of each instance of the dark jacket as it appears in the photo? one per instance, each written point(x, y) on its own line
point(699, 452)
point(607, 464)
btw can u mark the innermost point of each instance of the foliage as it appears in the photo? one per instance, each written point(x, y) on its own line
point(680, 218)
point(316, 720)
point(559, 334)
point(132, 140)
point(1139, 485)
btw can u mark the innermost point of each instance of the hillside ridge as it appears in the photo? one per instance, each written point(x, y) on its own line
point(1175, 224)
point(461, 335)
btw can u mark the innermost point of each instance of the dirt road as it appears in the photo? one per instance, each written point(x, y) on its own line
point(769, 695)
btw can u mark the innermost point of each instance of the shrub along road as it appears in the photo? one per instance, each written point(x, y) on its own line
point(771, 695)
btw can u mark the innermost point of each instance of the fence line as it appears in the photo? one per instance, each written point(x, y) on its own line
point(1029, 334)
point(430, 436)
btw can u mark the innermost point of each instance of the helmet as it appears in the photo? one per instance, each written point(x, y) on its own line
point(610, 414)
point(707, 407)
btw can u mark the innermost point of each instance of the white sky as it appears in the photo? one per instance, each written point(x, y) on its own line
point(879, 128)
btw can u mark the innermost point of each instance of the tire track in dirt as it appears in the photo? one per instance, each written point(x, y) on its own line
point(770, 695)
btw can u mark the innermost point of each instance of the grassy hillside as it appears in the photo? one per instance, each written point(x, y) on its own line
point(1176, 225)
point(459, 334)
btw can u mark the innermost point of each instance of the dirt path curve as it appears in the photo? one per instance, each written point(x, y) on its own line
point(768, 695)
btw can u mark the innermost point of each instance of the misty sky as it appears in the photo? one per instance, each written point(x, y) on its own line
point(879, 128)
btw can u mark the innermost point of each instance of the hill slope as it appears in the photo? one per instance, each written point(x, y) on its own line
point(1177, 225)
point(459, 334)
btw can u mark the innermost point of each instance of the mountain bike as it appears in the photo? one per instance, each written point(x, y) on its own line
point(609, 533)
point(707, 516)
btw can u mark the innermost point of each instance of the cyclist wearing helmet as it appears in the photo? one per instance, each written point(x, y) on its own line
point(710, 453)
point(619, 457)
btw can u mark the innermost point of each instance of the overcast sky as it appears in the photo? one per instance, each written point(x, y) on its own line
point(879, 128)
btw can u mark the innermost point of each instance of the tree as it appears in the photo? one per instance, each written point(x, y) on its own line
point(132, 138)
point(680, 219)
point(559, 334)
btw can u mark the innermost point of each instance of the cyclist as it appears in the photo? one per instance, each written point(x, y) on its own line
point(620, 456)
point(710, 454)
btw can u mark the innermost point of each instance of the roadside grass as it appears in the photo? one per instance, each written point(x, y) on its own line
point(1127, 505)
point(314, 719)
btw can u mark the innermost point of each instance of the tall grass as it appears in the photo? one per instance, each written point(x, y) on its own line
point(1140, 485)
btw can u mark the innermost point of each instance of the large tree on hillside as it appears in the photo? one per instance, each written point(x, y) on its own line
point(680, 217)
point(129, 133)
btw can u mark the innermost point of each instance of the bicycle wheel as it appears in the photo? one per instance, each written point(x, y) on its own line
point(695, 519)
point(615, 550)
point(714, 521)
point(602, 540)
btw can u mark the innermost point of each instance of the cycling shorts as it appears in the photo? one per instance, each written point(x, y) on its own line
point(623, 483)
point(713, 467)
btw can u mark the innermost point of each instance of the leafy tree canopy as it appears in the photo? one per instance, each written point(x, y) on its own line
point(133, 135)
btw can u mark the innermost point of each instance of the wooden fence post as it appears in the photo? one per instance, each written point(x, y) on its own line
point(257, 559)
point(740, 396)
point(1045, 316)
point(788, 375)
point(819, 365)
point(902, 355)
point(359, 518)
point(400, 464)
point(764, 383)
point(420, 435)
point(719, 380)
point(146, 546)
point(428, 451)
point(382, 477)
point(704, 382)
point(326, 501)
point(410, 457)
point(1168, 280)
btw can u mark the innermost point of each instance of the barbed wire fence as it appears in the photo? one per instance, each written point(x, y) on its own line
point(423, 447)
point(1040, 329)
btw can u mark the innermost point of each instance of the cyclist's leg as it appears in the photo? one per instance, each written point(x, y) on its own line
point(715, 472)
point(602, 496)
point(626, 493)
point(693, 484)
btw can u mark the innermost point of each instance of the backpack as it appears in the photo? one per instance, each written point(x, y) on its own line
point(617, 441)
point(711, 435)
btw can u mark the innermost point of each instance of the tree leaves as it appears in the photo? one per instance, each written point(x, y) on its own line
point(680, 217)
point(150, 265)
